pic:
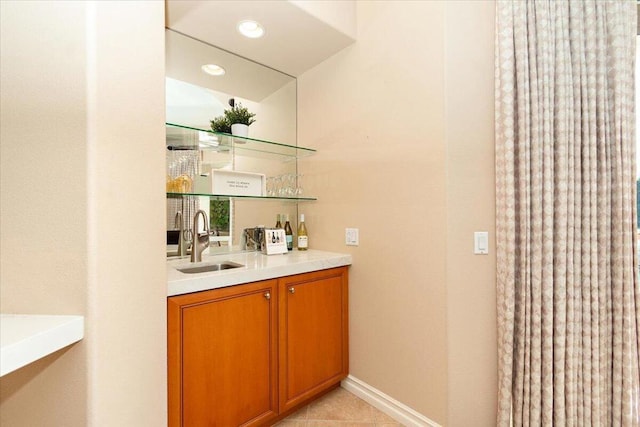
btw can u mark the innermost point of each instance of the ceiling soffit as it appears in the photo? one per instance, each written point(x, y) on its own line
point(295, 40)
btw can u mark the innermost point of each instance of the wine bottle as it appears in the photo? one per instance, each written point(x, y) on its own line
point(303, 239)
point(288, 233)
point(278, 223)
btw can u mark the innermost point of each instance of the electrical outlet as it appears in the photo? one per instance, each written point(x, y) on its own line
point(351, 237)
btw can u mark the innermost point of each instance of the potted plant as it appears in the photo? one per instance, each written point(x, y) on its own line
point(221, 124)
point(240, 118)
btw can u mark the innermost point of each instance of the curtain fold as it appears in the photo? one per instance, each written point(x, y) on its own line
point(567, 265)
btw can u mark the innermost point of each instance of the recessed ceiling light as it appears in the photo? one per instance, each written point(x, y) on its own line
point(213, 69)
point(251, 29)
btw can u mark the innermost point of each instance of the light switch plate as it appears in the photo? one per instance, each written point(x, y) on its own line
point(352, 237)
point(481, 242)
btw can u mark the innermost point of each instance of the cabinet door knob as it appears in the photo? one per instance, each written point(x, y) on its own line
point(292, 290)
point(267, 295)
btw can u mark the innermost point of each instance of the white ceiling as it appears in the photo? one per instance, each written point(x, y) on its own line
point(295, 40)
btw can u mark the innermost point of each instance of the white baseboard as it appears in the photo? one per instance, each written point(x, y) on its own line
point(396, 410)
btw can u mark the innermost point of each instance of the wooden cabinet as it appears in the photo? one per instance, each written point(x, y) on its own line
point(247, 354)
point(222, 356)
point(313, 339)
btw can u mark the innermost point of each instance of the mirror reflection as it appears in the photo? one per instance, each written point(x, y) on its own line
point(194, 97)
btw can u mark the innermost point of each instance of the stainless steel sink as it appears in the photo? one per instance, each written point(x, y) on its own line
point(204, 268)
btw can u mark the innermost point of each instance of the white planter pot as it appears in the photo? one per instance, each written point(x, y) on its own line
point(239, 129)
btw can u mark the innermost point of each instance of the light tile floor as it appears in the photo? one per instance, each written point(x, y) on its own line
point(338, 408)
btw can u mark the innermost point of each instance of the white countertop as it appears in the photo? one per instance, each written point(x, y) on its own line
point(25, 338)
point(256, 266)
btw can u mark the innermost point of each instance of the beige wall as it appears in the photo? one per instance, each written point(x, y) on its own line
point(471, 295)
point(405, 155)
point(375, 112)
point(82, 103)
point(276, 116)
point(43, 199)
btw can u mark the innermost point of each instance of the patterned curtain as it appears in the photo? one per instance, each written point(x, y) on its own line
point(568, 292)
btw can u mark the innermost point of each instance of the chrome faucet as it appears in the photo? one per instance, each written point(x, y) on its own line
point(200, 240)
point(183, 239)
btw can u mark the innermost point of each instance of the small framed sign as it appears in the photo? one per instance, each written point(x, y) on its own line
point(231, 183)
point(275, 241)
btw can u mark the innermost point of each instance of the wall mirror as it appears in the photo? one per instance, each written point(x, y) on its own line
point(193, 99)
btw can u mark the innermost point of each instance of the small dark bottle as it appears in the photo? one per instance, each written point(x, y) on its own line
point(288, 233)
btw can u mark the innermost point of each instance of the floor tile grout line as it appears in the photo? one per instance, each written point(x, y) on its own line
point(339, 400)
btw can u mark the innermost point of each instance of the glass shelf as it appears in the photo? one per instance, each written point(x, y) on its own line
point(181, 137)
point(226, 197)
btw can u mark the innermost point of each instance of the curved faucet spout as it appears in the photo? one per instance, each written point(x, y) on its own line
point(200, 240)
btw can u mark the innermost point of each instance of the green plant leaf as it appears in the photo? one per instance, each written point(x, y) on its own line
point(221, 124)
point(239, 114)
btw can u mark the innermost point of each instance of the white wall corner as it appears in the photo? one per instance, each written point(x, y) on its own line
point(396, 410)
point(340, 15)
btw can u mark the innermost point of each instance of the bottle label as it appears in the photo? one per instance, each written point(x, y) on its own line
point(289, 241)
point(303, 242)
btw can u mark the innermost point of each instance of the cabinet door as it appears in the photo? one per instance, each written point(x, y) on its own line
point(222, 356)
point(313, 327)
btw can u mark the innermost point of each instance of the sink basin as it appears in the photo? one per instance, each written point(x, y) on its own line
point(204, 268)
